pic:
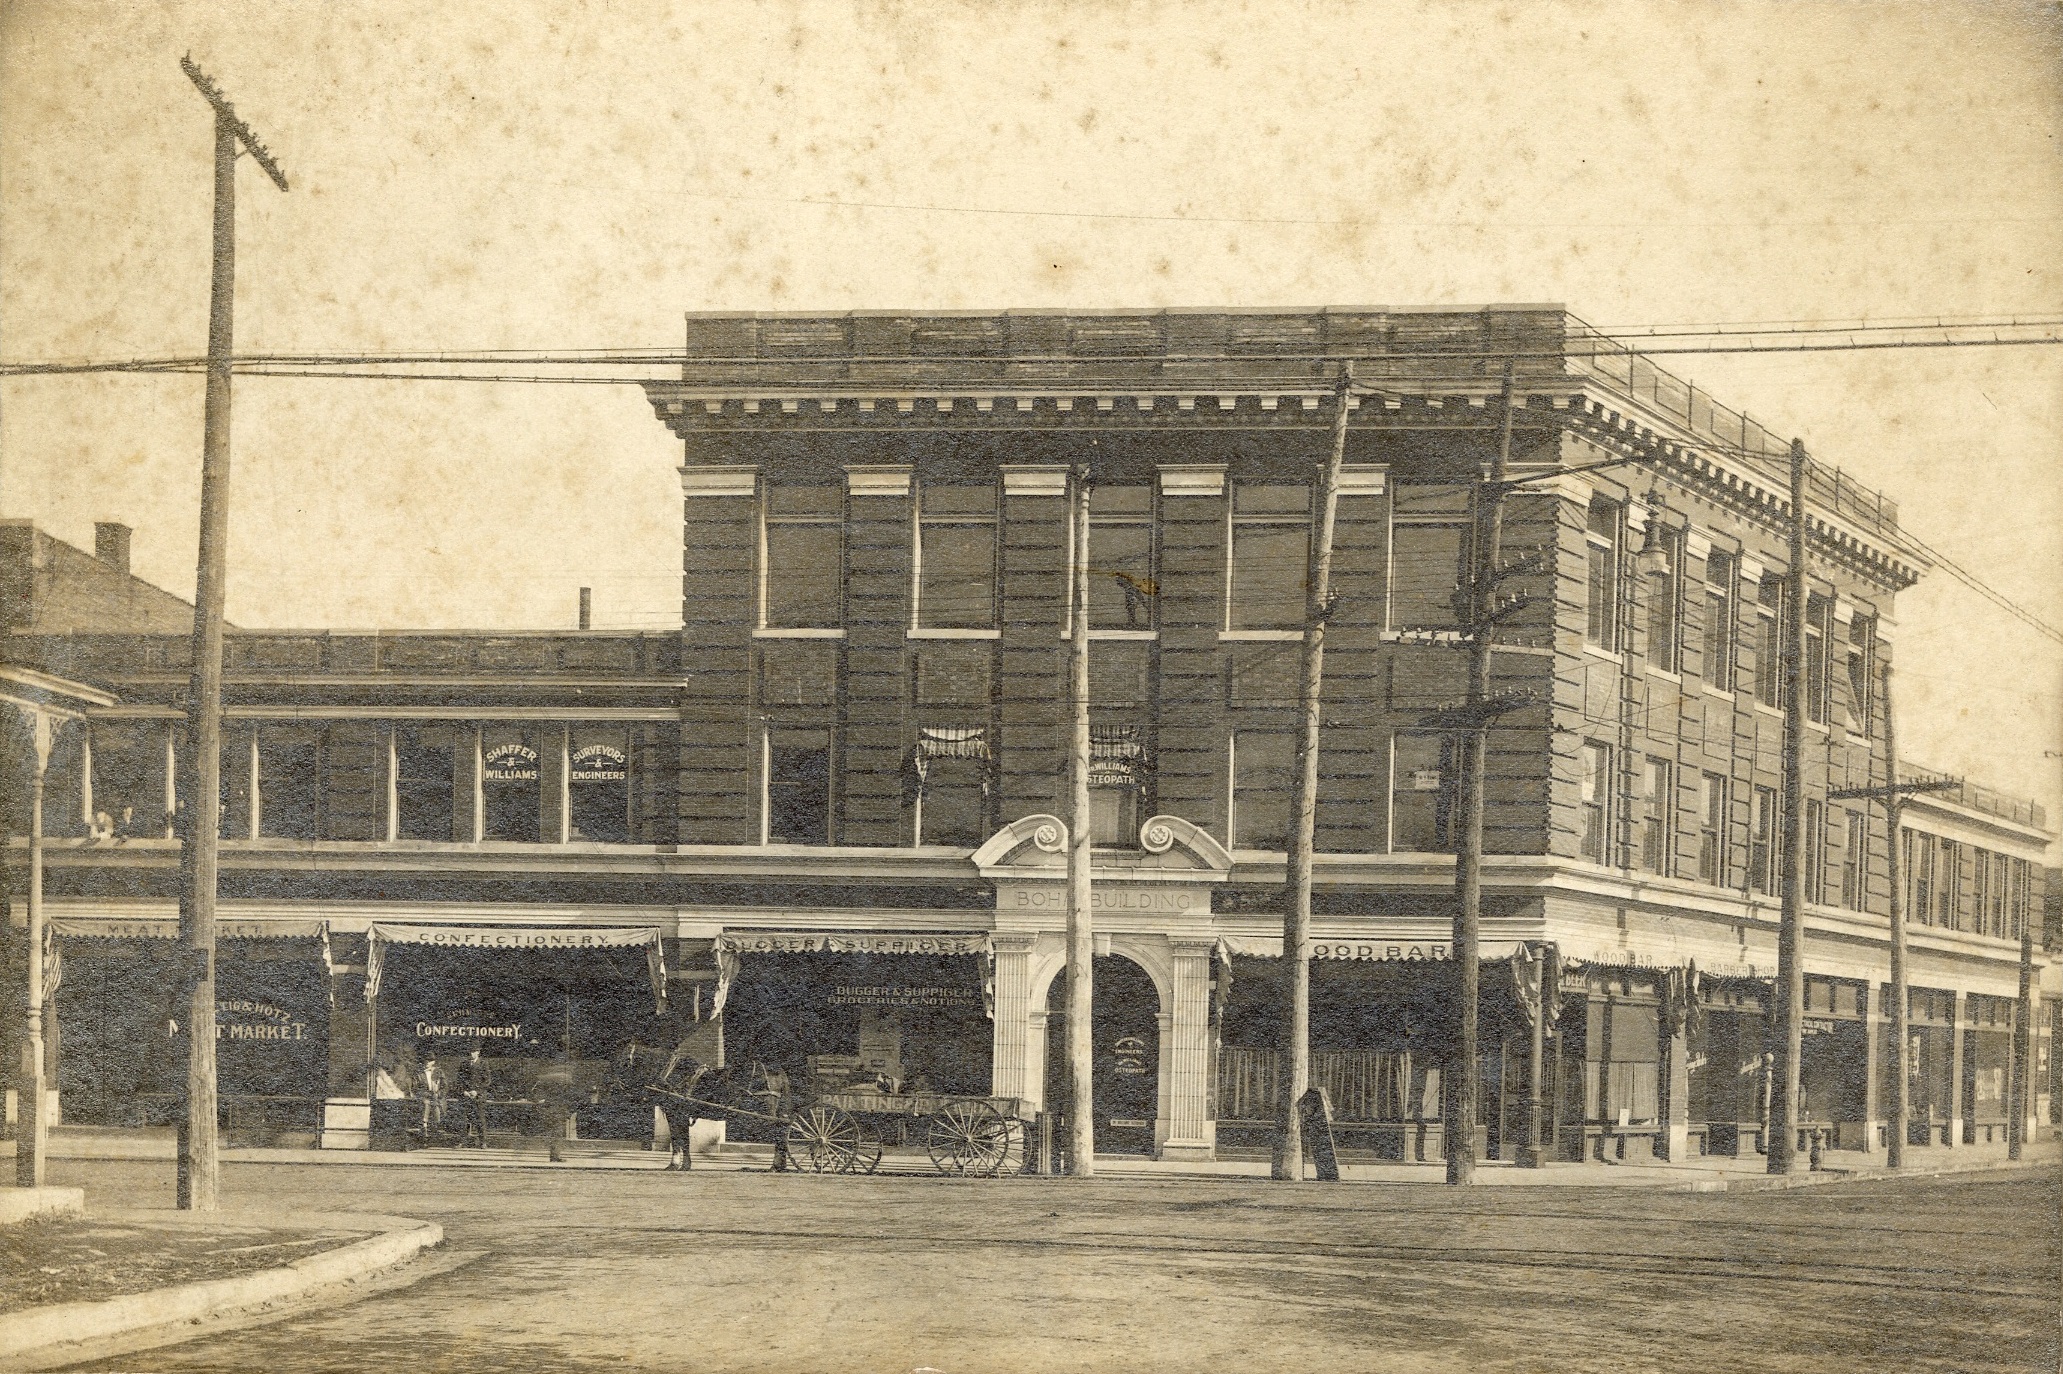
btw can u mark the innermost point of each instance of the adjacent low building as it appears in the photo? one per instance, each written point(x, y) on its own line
point(821, 822)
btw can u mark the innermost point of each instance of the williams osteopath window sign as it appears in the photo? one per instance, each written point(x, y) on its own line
point(511, 763)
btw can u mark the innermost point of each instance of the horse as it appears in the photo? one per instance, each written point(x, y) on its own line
point(687, 1089)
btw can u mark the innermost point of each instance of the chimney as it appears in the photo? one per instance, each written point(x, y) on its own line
point(111, 544)
point(587, 606)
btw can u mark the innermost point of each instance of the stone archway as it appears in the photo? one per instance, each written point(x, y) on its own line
point(1126, 1024)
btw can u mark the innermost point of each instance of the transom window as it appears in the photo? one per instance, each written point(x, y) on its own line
point(1270, 556)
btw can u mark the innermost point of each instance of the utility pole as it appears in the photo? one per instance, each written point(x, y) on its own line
point(1081, 946)
point(2023, 1028)
point(199, 1156)
point(1296, 918)
point(1487, 499)
point(32, 1132)
point(1893, 794)
point(1790, 958)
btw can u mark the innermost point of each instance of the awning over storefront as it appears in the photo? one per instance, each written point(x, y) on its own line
point(732, 946)
point(514, 939)
point(167, 928)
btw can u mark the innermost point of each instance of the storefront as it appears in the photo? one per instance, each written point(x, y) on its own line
point(1381, 1029)
point(1730, 1065)
point(1987, 1067)
point(548, 1008)
point(1834, 1062)
point(907, 1013)
point(119, 1042)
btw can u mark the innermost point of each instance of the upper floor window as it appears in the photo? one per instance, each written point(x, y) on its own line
point(1769, 640)
point(796, 806)
point(1665, 600)
point(1718, 647)
point(1948, 887)
point(1862, 672)
point(510, 795)
point(1117, 782)
point(1429, 550)
point(1269, 558)
point(1855, 860)
point(1658, 793)
point(598, 784)
point(1712, 864)
point(1122, 593)
point(426, 764)
point(1917, 849)
point(1262, 762)
point(1594, 793)
point(1762, 841)
point(1819, 624)
point(289, 781)
point(952, 770)
point(956, 557)
point(802, 558)
point(1815, 851)
point(1601, 538)
point(1424, 771)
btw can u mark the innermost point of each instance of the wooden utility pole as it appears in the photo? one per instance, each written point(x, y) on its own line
point(1296, 917)
point(1081, 945)
point(1893, 794)
point(199, 1155)
point(1487, 503)
point(32, 1130)
point(2023, 1027)
point(1790, 957)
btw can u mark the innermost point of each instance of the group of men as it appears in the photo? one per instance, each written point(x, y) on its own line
point(470, 1083)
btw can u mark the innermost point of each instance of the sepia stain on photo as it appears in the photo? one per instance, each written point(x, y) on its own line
point(1047, 687)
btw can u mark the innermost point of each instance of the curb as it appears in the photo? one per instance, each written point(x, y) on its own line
point(1776, 1183)
point(40, 1334)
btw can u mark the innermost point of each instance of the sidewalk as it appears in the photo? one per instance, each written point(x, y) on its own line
point(1699, 1174)
point(110, 1281)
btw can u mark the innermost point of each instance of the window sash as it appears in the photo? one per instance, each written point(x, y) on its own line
point(1594, 790)
point(956, 582)
point(802, 583)
point(1427, 562)
point(1270, 563)
point(798, 786)
point(1122, 593)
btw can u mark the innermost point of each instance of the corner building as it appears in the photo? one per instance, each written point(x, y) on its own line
point(877, 587)
point(822, 824)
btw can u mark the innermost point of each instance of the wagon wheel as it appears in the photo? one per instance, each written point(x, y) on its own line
point(968, 1137)
point(824, 1139)
point(866, 1157)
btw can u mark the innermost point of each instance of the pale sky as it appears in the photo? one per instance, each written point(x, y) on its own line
point(550, 175)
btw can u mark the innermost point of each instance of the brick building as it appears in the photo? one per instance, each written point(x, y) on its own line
point(822, 815)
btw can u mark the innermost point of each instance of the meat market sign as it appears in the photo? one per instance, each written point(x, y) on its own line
point(238, 1018)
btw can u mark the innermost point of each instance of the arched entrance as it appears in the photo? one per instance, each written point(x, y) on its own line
point(1125, 1041)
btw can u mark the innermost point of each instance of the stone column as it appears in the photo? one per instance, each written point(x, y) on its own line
point(1188, 1130)
point(1676, 1073)
point(1873, 1133)
point(347, 1108)
point(1011, 1074)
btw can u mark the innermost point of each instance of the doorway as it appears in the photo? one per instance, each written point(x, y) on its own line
point(1125, 1042)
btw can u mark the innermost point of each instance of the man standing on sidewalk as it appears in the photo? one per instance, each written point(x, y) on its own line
point(472, 1087)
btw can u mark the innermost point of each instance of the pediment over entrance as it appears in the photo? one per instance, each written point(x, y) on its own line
point(1170, 850)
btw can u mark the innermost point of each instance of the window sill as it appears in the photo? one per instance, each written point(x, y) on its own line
point(1137, 636)
point(767, 633)
point(953, 634)
point(1675, 677)
point(1720, 692)
point(1599, 651)
point(1260, 636)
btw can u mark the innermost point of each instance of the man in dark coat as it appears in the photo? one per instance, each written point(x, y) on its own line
point(471, 1082)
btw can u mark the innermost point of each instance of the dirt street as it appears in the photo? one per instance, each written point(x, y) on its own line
point(588, 1270)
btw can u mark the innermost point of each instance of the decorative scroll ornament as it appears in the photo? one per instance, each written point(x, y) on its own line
point(1158, 838)
point(1051, 837)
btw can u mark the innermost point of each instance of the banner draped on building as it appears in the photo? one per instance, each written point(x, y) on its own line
point(514, 939)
